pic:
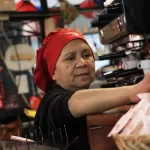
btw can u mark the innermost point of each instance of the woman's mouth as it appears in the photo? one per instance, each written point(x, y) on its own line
point(83, 74)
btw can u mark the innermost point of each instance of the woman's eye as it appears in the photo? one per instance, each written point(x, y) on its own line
point(70, 58)
point(87, 55)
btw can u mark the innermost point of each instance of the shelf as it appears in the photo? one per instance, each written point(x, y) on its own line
point(17, 16)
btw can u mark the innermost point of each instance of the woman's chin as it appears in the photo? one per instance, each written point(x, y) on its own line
point(84, 82)
point(84, 85)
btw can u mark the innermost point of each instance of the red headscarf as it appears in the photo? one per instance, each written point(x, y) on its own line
point(48, 54)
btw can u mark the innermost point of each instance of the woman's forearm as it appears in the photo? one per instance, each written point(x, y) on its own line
point(90, 101)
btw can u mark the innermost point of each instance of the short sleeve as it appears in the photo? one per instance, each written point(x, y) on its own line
point(53, 114)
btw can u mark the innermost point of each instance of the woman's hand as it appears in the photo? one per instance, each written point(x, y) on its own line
point(141, 87)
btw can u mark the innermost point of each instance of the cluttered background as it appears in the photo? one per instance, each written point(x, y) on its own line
point(117, 30)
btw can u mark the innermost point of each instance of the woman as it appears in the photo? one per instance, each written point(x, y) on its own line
point(64, 71)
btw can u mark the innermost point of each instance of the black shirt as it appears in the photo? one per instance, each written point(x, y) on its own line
point(57, 124)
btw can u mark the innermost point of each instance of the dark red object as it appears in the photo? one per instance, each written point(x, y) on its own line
point(25, 6)
point(88, 4)
point(34, 102)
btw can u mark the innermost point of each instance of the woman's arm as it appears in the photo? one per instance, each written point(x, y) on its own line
point(85, 102)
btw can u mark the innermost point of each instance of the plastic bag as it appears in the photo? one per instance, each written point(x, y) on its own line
point(136, 120)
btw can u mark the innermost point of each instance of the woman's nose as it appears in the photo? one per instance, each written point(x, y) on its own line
point(81, 63)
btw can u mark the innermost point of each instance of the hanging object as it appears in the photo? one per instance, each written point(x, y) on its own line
point(88, 4)
point(20, 57)
point(70, 12)
point(25, 5)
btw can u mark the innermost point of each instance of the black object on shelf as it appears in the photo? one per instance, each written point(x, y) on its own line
point(113, 73)
point(109, 85)
point(107, 15)
point(106, 18)
point(103, 19)
point(114, 10)
point(123, 73)
point(96, 23)
point(115, 4)
point(130, 72)
point(136, 15)
point(134, 20)
point(132, 80)
point(113, 55)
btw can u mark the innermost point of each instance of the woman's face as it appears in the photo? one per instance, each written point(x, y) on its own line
point(75, 67)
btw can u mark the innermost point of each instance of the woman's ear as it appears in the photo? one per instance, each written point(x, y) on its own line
point(54, 76)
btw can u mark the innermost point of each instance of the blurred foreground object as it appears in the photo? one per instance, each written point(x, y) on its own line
point(132, 142)
point(132, 130)
point(11, 127)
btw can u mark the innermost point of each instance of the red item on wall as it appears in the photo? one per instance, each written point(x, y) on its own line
point(25, 6)
point(88, 4)
point(34, 102)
